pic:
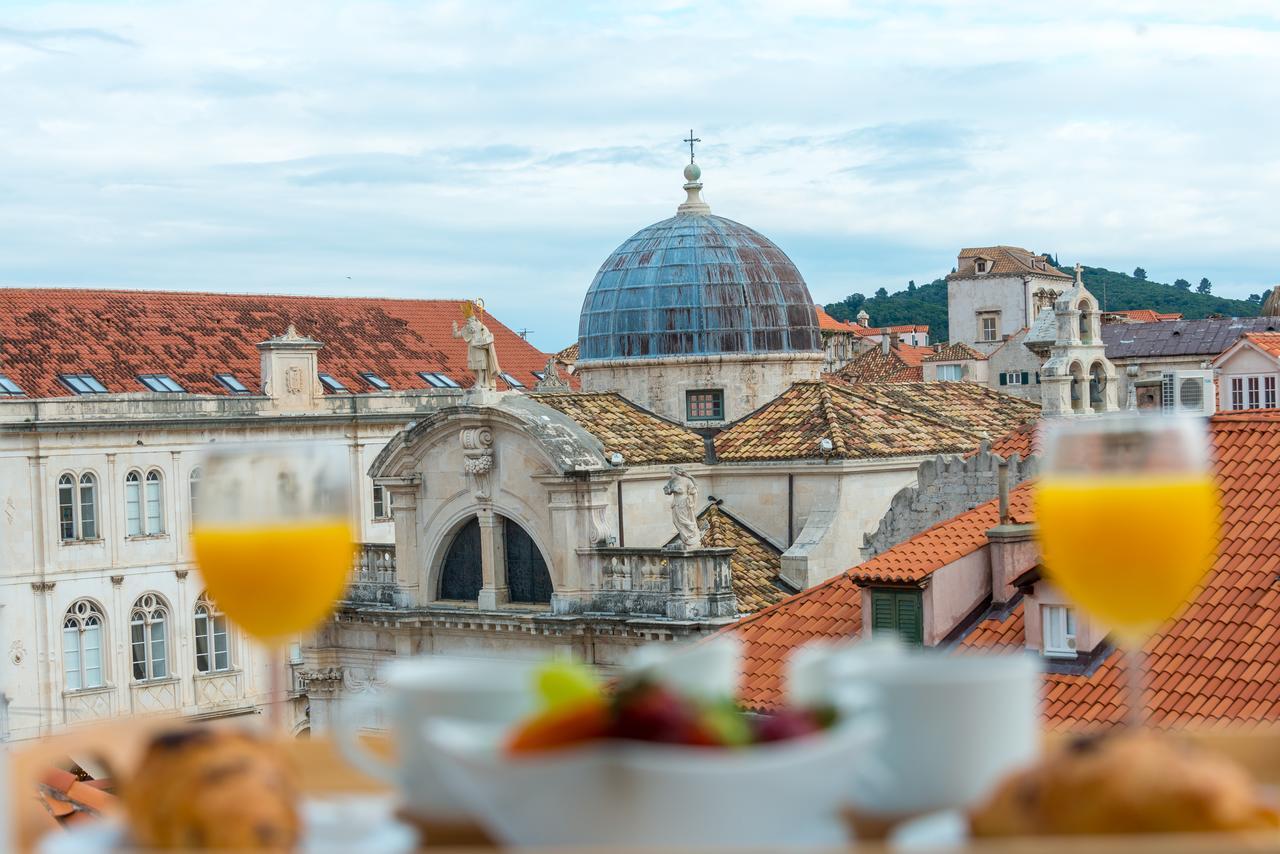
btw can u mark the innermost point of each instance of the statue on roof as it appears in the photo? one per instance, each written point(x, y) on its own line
point(683, 490)
point(482, 355)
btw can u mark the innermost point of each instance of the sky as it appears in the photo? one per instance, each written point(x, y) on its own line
point(485, 149)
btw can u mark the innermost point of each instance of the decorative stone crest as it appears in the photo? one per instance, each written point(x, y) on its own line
point(477, 459)
point(17, 652)
point(683, 490)
point(293, 378)
point(551, 379)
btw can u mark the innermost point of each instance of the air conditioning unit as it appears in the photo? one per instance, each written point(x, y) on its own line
point(1187, 392)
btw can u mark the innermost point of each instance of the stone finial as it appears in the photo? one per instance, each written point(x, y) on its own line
point(551, 379)
point(693, 203)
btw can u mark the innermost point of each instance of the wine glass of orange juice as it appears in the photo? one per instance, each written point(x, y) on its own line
point(274, 541)
point(1127, 513)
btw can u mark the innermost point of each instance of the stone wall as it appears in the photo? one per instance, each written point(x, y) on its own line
point(946, 487)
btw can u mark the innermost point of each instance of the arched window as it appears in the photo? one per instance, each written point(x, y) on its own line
point(213, 646)
point(82, 647)
point(133, 504)
point(195, 492)
point(527, 575)
point(147, 641)
point(153, 503)
point(67, 507)
point(460, 577)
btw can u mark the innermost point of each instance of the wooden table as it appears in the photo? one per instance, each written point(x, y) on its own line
point(324, 771)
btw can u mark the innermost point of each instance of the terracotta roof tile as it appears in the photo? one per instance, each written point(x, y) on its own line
point(642, 437)
point(1269, 342)
point(972, 406)
point(956, 351)
point(1216, 662)
point(117, 335)
point(568, 355)
point(1142, 315)
point(1005, 261)
point(755, 563)
point(901, 364)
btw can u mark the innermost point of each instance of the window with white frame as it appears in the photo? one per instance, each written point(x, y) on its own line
point(143, 504)
point(951, 373)
point(162, 383)
point(148, 643)
point(82, 643)
point(381, 502)
point(988, 326)
point(1253, 391)
point(213, 639)
point(1059, 625)
point(77, 507)
point(194, 491)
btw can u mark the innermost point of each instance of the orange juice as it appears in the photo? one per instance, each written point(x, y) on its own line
point(1128, 549)
point(275, 580)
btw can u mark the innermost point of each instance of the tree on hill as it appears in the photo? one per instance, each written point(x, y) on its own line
point(1182, 283)
point(1204, 287)
point(927, 304)
point(1140, 274)
point(911, 286)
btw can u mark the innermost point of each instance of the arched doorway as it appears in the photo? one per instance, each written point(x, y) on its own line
point(461, 575)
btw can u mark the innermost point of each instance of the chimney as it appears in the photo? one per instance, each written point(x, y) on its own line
point(289, 375)
point(884, 343)
point(893, 340)
point(1002, 485)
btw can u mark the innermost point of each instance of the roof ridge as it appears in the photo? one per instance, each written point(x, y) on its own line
point(256, 294)
point(851, 388)
point(830, 416)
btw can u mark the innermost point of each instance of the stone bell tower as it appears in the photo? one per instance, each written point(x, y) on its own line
point(1078, 379)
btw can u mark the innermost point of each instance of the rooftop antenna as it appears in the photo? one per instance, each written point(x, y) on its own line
point(524, 333)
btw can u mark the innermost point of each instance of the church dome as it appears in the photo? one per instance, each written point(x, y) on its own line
point(696, 284)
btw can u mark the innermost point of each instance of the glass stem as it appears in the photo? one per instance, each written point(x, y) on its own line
point(1134, 676)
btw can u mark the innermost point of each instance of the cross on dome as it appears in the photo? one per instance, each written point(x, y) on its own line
point(691, 139)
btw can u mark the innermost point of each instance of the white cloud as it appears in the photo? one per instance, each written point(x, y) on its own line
point(504, 150)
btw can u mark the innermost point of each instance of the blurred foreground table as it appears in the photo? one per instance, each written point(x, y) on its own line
point(324, 772)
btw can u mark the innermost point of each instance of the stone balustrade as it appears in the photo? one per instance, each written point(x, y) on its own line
point(373, 577)
point(680, 585)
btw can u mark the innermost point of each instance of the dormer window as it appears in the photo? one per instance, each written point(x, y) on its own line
point(231, 384)
point(981, 266)
point(512, 381)
point(1059, 625)
point(376, 381)
point(83, 383)
point(8, 388)
point(438, 380)
point(330, 383)
point(161, 383)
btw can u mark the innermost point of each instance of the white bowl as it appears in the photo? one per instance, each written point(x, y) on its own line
point(621, 793)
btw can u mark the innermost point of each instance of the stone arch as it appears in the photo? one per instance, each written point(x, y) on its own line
point(1097, 387)
point(1079, 387)
point(459, 575)
point(1085, 309)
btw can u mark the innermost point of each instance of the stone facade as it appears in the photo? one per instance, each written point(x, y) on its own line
point(945, 487)
point(747, 381)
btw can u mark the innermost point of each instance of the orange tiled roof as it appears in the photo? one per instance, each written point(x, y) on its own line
point(872, 420)
point(998, 631)
point(957, 351)
point(919, 557)
point(568, 355)
point(1219, 660)
point(117, 335)
point(641, 436)
point(901, 364)
point(755, 564)
point(1268, 342)
point(1144, 315)
point(69, 799)
point(1022, 440)
point(1005, 261)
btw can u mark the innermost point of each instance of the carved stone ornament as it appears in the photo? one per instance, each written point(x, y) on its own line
point(601, 534)
point(17, 652)
point(477, 459)
point(181, 574)
point(117, 580)
point(325, 680)
point(551, 379)
point(293, 379)
point(43, 586)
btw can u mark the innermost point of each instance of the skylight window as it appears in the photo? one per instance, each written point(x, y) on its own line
point(8, 388)
point(83, 383)
point(541, 375)
point(231, 383)
point(160, 382)
point(512, 381)
point(438, 380)
point(376, 381)
point(331, 384)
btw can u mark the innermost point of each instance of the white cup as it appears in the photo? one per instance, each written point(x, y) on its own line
point(952, 726)
point(499, 691)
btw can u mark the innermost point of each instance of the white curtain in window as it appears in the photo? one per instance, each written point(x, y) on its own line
point(132, 504)
point(82, 647)
point(88, 507)
point(155, 517)
point(213, 652)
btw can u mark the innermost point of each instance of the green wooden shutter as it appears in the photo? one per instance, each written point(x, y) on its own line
point(1004, 378)
point(1026, 378)
point(900, 612)
point(910, 620)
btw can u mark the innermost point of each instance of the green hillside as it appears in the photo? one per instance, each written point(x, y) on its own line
point(1116, 291)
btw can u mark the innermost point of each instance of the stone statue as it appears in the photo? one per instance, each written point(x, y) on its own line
point(482, 356)
point(684, 503)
